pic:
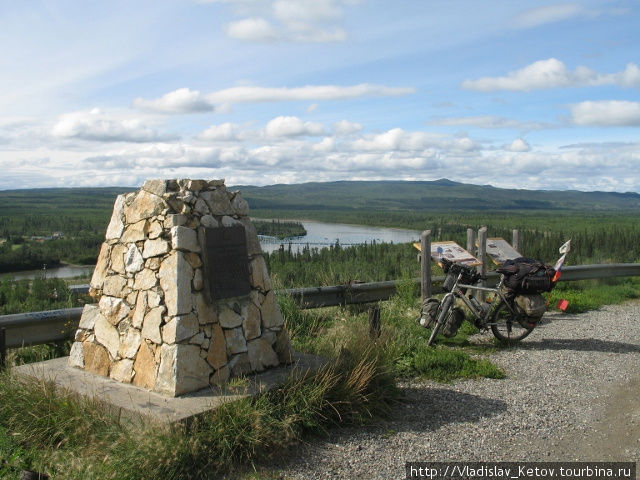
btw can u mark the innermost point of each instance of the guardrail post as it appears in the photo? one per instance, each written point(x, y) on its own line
point(515, 243)
point(374, 322)
point(3, 347)
point(425, 265)
point(482, 256)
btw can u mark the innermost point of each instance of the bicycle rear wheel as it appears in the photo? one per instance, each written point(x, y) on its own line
point(507, 327)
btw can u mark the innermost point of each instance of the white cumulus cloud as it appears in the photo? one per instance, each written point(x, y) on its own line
point(253, 94)
point(292, 127)
point(534, 17)
point(181, 100)
point(252, 30)
point(345, 127)
point(98, 126)
point(224, 132)
point(184, 100)
point(606, 113)
point(552, 73)
point(288, 21)
point(519, 145)
point(489, 121)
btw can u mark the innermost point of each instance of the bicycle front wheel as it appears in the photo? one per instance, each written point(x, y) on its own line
point(506, 326)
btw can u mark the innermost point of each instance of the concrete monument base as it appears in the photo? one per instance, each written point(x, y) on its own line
point(135, 403)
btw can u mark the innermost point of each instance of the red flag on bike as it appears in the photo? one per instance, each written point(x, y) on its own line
point(563, 304)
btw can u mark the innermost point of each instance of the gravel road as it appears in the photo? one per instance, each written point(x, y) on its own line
point(571, 394)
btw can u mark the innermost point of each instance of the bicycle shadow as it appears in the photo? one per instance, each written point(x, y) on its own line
point(427, 409)
point(579, 345)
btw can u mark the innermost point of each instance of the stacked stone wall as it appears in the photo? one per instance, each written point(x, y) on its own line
point(154, 324)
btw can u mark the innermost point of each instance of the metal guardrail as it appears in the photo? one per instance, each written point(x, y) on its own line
point(43, 327)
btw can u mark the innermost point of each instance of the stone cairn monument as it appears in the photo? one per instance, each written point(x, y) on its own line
point(185, 300)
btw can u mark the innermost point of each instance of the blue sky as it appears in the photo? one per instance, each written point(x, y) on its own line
point(526, 94)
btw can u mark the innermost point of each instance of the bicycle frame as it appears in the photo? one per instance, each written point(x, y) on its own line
point(481, 316)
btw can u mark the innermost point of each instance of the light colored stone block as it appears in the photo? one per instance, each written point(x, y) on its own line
point(228, 318)
point(228, 221)
point(130, 343)
point(122, 371)
point(196, 185)
point(155, 229)
point(117, 258)
point(206, 312)
point(175, 280)
point(217, 354)
point(135, 232)
point(145, 368)
point(154, 297)
point(133, 261)
point(144, 205)
point(76, 356)
point(184, 238)
point(96, 359)
point(116, 224)
point(175, 220)
point(235, 340)
point(90, 313)
point(155, 248)
point(251, 324)
point(253, 243)
point(271, 315)
point(181, 370)
point(114, 286)
point(180, 328)
point(107, 335)
point(113, 309)
point(259, 277)
point(145, 280)
point(209, 222)
point(155, 186)
point(218, 202)
point(240, 206)
point(151, 325)
point(201, 207)
point(102, 265)
point(140, 310)
point(261, 355)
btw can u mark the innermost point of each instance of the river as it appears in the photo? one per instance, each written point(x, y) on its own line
point(319, 235)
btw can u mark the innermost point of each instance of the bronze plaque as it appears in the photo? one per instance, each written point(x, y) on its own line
point(226, 262)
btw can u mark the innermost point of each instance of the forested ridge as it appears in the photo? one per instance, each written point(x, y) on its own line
point(49, 226)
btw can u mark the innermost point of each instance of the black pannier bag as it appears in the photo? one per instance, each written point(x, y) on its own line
point(452, 270)
point(527, 275)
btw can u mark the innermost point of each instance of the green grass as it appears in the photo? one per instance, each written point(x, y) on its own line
point(71, 438)
point(592, 294)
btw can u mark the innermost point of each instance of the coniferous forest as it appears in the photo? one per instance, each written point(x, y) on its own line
point(50, 226)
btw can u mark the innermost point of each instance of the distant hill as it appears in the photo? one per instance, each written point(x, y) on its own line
point(440, 195)
point(436, 195)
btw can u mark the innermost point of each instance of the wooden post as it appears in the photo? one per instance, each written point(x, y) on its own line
point(516, 240)
point(374, 322)
point(482, 256)
point(425, 265)
point(3, 347)
point(471, 241)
